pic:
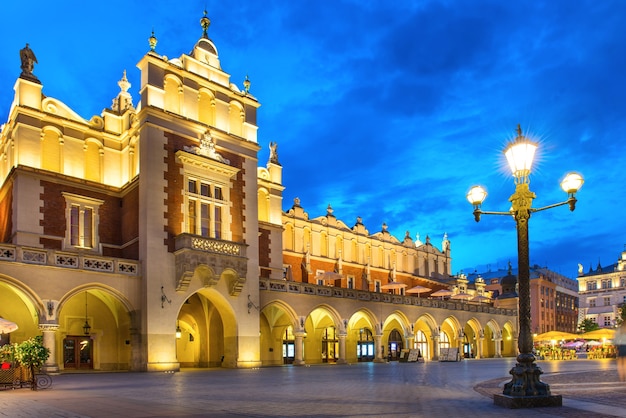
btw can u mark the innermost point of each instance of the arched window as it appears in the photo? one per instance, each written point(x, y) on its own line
point(51, 150)
point(323, 244)
point(444, 340)
point(235, 118)
point(288, 237)
point(206, 108)
point(173, 90)
point(264, 205)
point(92, 161)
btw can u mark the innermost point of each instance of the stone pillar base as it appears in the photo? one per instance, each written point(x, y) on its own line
point(517, 402)
point(298, 363)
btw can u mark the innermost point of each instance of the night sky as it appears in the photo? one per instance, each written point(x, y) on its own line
point(389, 111)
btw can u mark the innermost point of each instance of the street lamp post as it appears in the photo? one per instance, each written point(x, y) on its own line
point(525, 388)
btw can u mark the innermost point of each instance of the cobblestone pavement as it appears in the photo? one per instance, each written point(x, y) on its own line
point(590, 389)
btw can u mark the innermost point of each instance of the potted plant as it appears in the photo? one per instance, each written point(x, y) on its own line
point(32, 354)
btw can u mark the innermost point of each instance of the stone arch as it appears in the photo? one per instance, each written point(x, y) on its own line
point(276, 318)
point(361, 336)
point(206, 106)
point(209, 330)
point(51, 149)
point(320, 347)
point(34, 308)
point(92, 162)
point(236, 117)
point(288, 236)
point(111, 338)
point(263, 204)
point(172, 91)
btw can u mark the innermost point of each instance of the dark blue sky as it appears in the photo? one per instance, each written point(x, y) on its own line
point(389, 112)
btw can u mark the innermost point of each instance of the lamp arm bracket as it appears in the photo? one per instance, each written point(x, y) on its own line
point(488, 212)
point(567, 202)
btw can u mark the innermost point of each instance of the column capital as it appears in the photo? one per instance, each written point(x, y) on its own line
point(48, 327)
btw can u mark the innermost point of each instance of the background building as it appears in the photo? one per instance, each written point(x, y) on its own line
point(148, 238)
point(553, 297)
point(603, 292)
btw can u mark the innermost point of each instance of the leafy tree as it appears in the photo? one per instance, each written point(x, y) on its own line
point(587, 325)
point(32, 354)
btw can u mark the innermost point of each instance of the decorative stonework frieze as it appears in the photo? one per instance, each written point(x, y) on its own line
point(65, 260)
point(97, 264)
point(7, 253)
point(34, 256)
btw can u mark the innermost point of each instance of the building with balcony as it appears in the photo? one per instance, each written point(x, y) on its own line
point(149, 238)
point(603, 292)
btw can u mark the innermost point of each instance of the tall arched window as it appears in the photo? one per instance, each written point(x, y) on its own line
point(92, 161)
point(288, 237)
point(235, 118)
point(323, 244)
point(173, 90)
point(206, 108)
point(264, 205)
point(51, 150)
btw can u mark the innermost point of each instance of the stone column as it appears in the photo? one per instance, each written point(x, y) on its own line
point(299, 346)
point(480, 343)
point(342, 349)
point(435, 347)
point(49, 341)
point(379, 349)
point(498, 343)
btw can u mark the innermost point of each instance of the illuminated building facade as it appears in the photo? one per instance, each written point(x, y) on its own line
point(603, 292)
point(149, 238)
point(554, 298)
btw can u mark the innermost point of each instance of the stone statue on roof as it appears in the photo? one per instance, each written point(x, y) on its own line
point(27, 56)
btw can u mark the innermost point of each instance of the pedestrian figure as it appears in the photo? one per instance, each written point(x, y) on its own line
point(620, 342)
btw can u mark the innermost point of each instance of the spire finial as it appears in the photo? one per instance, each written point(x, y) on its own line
point(152, 40)
point(123, 83)
point(205, 22)
point(519, 130)
point(246, 84)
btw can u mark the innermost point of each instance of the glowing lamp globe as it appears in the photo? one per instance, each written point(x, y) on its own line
point(476, 195)
point(572, 183)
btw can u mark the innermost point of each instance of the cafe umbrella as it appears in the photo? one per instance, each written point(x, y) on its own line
point(7, 326)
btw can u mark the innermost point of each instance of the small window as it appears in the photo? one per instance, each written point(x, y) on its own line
point(377, 286)
point(82, 221)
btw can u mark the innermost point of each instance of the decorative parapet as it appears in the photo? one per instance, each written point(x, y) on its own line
point(64, 259)
point(339, 292)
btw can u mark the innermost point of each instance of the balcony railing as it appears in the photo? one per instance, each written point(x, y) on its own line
point(339, 292)
point(64, 259)
point(210, 245)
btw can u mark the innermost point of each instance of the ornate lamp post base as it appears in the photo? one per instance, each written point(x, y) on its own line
point(525, 390)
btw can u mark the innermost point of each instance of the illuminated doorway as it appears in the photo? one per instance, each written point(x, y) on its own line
point(395, 345)
point(289, 346)
point(330, 345)
point(365, 345)
point(78, 353)
point(421, 343)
